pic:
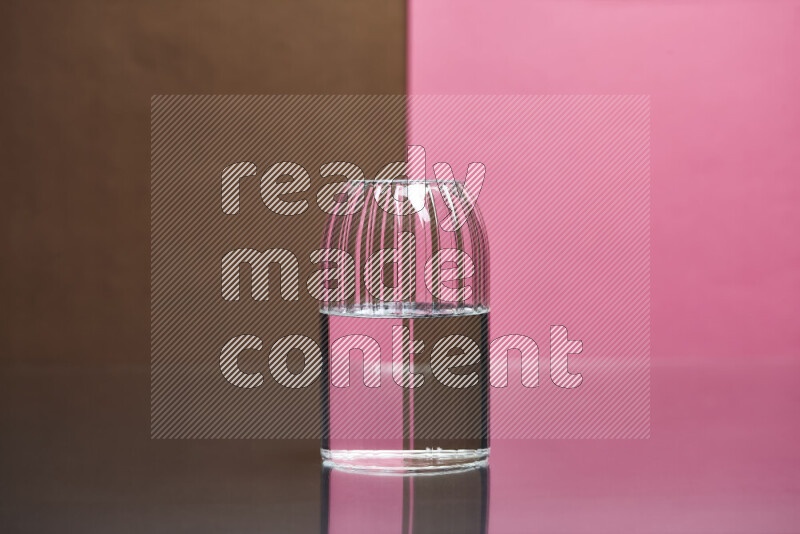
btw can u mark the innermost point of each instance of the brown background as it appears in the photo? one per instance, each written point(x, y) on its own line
point(75, 452)
point(193, 140)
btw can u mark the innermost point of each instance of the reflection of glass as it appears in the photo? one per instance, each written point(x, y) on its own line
point(405, 328)
point(353, 502)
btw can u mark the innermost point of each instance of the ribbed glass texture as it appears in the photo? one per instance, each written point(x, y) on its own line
point(414, 252)
point(424, 224)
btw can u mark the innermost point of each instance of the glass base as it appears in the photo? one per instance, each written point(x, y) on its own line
point(402, 461)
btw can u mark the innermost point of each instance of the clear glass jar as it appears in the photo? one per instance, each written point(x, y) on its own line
point(405, 328)
point(420, 503)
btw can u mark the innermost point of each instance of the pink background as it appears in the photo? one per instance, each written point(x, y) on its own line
point(725, 287)
point(566, 201)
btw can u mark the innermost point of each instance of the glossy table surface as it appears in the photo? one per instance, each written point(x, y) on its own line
point(723, 457)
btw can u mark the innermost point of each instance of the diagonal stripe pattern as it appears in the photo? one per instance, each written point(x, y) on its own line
point(241, 186)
